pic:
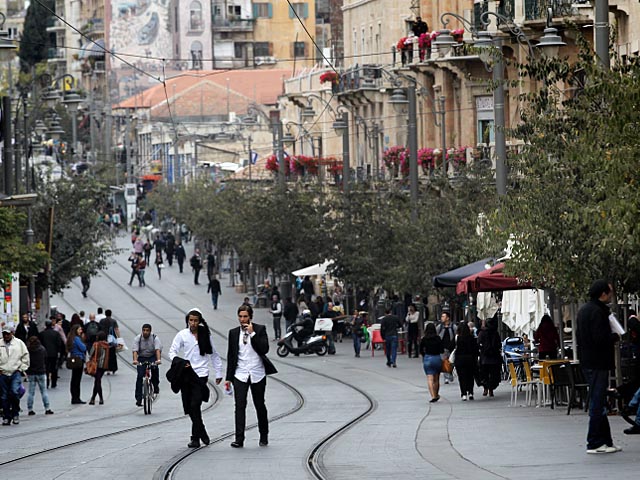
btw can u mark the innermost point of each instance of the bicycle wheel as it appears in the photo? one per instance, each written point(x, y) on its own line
point(146, 396)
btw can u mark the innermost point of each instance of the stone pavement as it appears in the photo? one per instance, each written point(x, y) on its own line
point(405, 437)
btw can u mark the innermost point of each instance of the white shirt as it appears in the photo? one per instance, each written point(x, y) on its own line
point(413, 317)
point(249, 362)
point(186, 341)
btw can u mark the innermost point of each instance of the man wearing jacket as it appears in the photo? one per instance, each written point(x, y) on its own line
point(389, 327)
point(247, 368)
point(596, 353)
point(14, 361)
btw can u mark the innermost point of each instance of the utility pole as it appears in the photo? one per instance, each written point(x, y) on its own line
point(7, 158)
point(92, 120)
point(601, 32)
point(127, 147)
point(250, 160)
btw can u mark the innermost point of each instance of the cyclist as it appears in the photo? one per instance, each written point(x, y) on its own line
point(146, 348)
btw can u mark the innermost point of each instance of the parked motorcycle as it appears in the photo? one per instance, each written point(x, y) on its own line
point(313, 344)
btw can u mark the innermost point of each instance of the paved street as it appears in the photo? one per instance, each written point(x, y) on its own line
point(402, 436)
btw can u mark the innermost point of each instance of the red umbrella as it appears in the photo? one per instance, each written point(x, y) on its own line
point(490, 280)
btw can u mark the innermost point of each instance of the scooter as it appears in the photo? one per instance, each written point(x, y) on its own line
point(314, 344)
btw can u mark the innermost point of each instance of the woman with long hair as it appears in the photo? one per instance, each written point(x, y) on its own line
point(412, 319)
point(466, 360)
point(100, 349)
point(490, 356)
point(76, 348)
point(547, 338)
point(431, 349)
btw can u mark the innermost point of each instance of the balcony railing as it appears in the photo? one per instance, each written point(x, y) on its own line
point(537, 9)
point(54, 24)
point(56, 54)
point(235, 24)
point(478, 10)
point(507, 8)
point(366, 77)
point(94, 26)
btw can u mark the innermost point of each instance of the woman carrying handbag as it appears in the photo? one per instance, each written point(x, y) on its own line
point(75, 362)
point(98, 364)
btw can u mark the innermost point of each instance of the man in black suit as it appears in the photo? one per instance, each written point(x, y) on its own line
point(247, 368)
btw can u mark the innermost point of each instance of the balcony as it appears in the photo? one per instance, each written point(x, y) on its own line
point(535, 11)
point(94, 28)
point(55, 25)
point(56, 55)
point(221, 24)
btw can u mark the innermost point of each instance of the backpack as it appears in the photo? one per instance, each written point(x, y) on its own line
point(92, 329)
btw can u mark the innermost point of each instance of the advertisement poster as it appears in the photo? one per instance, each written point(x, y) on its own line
point(10, 302)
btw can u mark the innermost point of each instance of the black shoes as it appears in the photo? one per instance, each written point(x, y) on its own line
point(205, 439)
point(237, 444)
point(194, 443)
point(264, 441)
point(31, 412)
point(48, 412)
point(77, 402)
point(635, 430)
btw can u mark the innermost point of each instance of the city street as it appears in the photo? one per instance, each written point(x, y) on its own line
point(384, 425)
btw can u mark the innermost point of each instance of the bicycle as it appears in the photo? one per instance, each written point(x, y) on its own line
point(148, 393)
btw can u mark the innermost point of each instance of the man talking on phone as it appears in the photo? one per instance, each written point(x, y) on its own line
point(247, 368)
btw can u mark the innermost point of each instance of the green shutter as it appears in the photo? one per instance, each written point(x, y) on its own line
point(270, 9)
point(291, 12)
point(305, 11)
point(255, 10)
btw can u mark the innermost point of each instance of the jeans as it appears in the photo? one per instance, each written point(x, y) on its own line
point(39, 380)
point(214, 299)
point(635, 403)
point(357, 342)
point(240, 391)
point(155, 376)
point(276, 326)
point(599, 431)
point(391, 344)
point(9, 387)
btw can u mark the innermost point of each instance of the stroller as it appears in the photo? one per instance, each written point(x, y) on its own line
point(513, 352)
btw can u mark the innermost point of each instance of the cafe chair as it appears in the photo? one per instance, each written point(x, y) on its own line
point(568, 377)
point(517, 384)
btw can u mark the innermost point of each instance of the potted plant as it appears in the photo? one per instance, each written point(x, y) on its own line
point(273, 166)
point(457, 34)
point(392, 158)
point(427, 160)
point(304, 163)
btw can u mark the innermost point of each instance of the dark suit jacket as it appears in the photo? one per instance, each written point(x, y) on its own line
point(260, 344)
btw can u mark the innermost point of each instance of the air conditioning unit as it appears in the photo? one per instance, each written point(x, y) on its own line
point(265, 60)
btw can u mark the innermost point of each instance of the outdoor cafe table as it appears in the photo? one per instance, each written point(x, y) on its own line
point(543, 369)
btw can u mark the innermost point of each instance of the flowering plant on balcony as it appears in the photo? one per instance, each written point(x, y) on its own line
point(457, 34)
point(427, 159)
point(329, 77)
point(457, 155)
point(302, 163)
point(273, 166)
point(334, 167)
point(393, 156)
point(403, 44)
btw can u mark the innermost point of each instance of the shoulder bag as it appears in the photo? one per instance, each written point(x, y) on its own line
point(74, 362)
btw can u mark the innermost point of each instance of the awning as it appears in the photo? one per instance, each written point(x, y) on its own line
point(318, 269)
point(490, 280)
point(451, 279)
point(91, 49)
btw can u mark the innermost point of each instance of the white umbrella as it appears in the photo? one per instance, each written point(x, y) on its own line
point(317, 269)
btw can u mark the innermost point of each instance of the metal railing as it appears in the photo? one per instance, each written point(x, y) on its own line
point(240, 24)
point(537, 9)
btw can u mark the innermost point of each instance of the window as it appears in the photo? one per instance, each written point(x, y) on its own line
point(299, 49)
point(301, 9)
point(262, 10)
point(261, 49)
point(485, 122)
point(234, 11)
point(196, 56)
point(239, 49)
point(195, 16)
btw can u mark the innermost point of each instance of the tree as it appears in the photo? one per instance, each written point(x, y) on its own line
point(34, 45)
point(15, 255)
point(574, 212)
point(80, 245)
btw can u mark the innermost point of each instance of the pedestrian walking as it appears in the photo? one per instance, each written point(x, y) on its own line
point(490, 348)
point(196, 265)
point(358, 325)
point(466, 360)
point(37, 375)
point(110, 327)
point(85, 280)
point(247, 369)
point(100, 354)
point(55, 347)
point(596, 346)
point(26, 328)
point(215, 290)
point(159, 264)
point(14, 362)
point(431, 349)
point(547, 338)
point(77, 352)
point(389, 327)
point(170, 248)
point(290, 313)
point(135, 260)
point(211, 264)
point(276, 312)
point(412, 319)
point(147, 251)
point(192, 353)
point(447, 332)
point(180, 255)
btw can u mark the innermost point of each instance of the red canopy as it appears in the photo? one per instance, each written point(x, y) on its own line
point(490, 280)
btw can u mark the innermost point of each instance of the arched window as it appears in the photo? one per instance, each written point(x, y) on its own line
point(195, 16)
point(196, 56)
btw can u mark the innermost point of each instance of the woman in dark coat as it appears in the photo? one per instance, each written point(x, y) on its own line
point(76, 348)
point(547, 338)
point(466, 360)
point(100, 349)
point(431, 349)
point(490, 356)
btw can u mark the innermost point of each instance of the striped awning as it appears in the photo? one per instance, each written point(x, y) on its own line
point(91, 49)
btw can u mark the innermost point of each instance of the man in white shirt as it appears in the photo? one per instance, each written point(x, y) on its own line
point(14, 361)
point(194, 346)
point(247, 368)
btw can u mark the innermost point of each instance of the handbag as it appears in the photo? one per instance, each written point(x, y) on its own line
point(447, 366)
point(112, 340)
point(91, 367)
point(74, 362)
point(452, 356)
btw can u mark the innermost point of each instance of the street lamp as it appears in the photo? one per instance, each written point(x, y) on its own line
point(341, 126)
point(72, 100)
point(491, 55)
